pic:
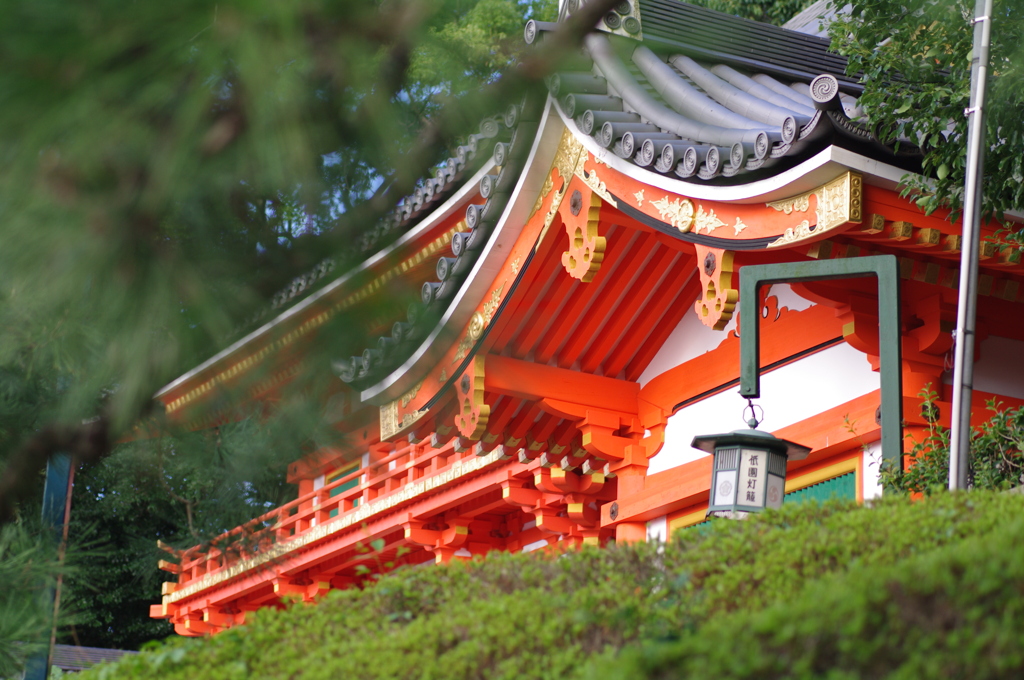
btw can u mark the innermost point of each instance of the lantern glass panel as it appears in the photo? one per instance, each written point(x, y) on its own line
point(725, 487)
point(752, 478)
point(776, 490)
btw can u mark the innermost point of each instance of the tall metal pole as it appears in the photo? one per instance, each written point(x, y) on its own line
point(963, 366)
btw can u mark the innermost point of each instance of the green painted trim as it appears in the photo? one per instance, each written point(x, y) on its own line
point(843, 487)
point(886, 269)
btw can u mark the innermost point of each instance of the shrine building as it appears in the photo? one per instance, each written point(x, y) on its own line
point(577, 267)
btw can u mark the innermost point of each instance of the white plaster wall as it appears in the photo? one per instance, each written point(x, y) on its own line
point(788, 395)
point(657, 530)
point(871, 487)
point(1001, 368)
point(691, 338)
point(536, 545)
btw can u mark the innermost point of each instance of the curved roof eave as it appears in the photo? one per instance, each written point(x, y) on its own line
point(506, 231)
point(455, 202)
point(804, 176)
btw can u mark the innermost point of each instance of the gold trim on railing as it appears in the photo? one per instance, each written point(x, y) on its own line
point(355, 516)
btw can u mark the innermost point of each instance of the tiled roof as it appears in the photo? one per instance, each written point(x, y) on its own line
point(707, 35)
point(703, 97)
point(518, 127)
point(430, 192)
point(712, 98)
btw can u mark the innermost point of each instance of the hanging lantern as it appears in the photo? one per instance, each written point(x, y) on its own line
point(749, 471)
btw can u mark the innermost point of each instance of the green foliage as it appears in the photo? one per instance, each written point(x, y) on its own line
point(775, 12)
point(474, 46)
point(529, 616)
point(996, 457)
point(28, 569)
point(951, 613)
point(915, 56)
point(164, 170)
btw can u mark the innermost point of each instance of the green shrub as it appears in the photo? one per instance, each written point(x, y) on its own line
point(996, 457)
point(955, 612)
point(529, 616)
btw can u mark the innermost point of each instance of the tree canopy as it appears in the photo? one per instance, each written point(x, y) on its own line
point(915, 61)
point(165, 170)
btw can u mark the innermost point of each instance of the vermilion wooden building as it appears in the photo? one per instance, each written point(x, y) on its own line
point(577, 263)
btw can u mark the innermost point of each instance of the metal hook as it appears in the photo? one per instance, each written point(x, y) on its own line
point(753, 421)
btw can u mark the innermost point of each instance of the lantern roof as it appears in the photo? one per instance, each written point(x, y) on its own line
point(751, 438)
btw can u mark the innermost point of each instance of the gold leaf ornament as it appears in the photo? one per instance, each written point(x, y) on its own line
point(679, 213)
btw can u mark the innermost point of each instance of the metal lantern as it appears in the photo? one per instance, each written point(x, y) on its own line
point(749, 471)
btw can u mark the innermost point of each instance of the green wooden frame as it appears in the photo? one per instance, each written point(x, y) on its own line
point(885, 268)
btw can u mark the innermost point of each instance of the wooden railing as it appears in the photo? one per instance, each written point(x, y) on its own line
point(296, 518)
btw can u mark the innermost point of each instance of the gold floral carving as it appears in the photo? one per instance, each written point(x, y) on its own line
point(556, 201)
point(463, 349)
point(799, 203)
point(390, 424)
point(566, 158)
point(678, 213)
point(706, 221)
point(639, 196)
point(444, 375)
point(410, 395)
point(594, 182)
point(477, 323)
point(544, 191)
point(514, 266)
point(739, 226)
point(567, 154)
point(492, 305)
point(840, 202)
point(389, 419)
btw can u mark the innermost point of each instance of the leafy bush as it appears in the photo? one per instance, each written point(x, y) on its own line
point(955, 612)
point(529, 616)
point(996, 456)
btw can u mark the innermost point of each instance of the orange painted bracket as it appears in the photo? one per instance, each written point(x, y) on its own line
point(216, 617)
point(552, 523)
point(583, 513)
point(415, 533)
point(170, 567)
point(517, 495)
point(527, 380)
point(286, 586)
point(162, 611)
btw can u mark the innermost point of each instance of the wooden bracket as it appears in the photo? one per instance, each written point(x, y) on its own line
point(549, 521)
point(454, 535)
point(581, 217)
point(472, 415)
point(717, 301)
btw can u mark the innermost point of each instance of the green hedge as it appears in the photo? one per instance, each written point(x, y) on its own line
point(955, 612)
point(525, 616)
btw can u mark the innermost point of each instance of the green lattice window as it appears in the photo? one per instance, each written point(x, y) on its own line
point(350, 484)
point(843, 487)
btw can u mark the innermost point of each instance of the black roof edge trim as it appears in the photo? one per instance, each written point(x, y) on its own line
point(690, 237)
